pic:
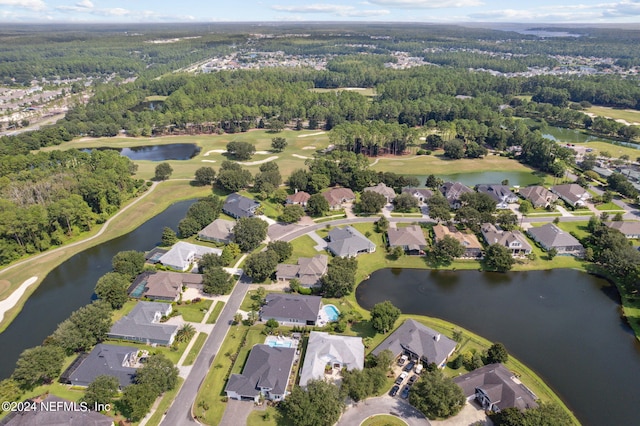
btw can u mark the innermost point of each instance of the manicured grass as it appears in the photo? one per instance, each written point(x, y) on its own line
point(194, 312)
point(213, 317)
point(440, 165)
point(631, 116)
point(616, 151)
point(406, 214)
point(303, 247)
point(270, 416)
point(164, 404)
point(173, 355)
point(582, 213)
point(128, 306)
point(579, 229)
point(364, 91)
point(195, 349)
point(609, 206)
point(383, 420)
point(253, 337)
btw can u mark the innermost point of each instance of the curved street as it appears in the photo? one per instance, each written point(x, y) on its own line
point(358, 413)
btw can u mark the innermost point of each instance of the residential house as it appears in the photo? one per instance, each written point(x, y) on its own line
point(500, 193)
point(410, 238)
point(538, 196)
point(452, 192)
point(182, 255)
point(337, 197)
point(218, 231)
point(514, 240)
point(291, 309)
point(308, 271)
point(162, 285)
point(572, 193)
point(472, 247)
point(550, 236)
point(142, 324)
point(495, 388)
point(629, 229)
point(419, 342)
point(331, 353)
point(382, 189)
point(348, 242)
point(265, 373)
point(120, 362)
point(62, 412)
point(300, 197)
point(238, 206)
point(420, 194)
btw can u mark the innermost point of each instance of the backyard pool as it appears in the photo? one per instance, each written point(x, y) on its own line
point(331, 312)
point(280, 342)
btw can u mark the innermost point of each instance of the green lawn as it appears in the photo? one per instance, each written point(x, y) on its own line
point(195, 349)
point(270, 416)
point(383, 420)
point(164, 404)
point(213, 317)
point(194, 312)
point(616, 151)
point(439, 165)
point(253, 337)
point(169, 352)
point(609, 206)
point(119, 313)
point(303, 247)
point(630, 115)
point(577, 228)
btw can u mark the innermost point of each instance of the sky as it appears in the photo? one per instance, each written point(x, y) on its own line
point(437, 11)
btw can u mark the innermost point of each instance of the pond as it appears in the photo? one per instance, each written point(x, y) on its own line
point(475, 178)
point(70, 286)
point(562, 134)
point(172, 151)
point(564, 324)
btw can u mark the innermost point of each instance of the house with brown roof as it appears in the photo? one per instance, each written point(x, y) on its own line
point(495, 388)
point(337, 197)
point(472, 247)
point(382, 189)
point(308, 271)
point(452, 192)
point(630, 229)
point(514, 240)
point(162, 285)
point(538, 196)
point(219, 231)
point(572, 193)
point(410, 238)
point(300, 198)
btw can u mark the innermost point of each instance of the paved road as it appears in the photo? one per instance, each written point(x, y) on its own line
point(180, 411)
point(355, 415)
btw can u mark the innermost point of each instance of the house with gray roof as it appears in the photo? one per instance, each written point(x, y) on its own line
point(420, 194)
point(410, 238)
point(388, 193)
point(332, 350)
point(572, 193)
point(495, 388)
point(120, 362)
point(630, 229)
point(419, 342)
point(162, 285)
point(348, 242)
point(143, 325)
point(452, 192)
point(291, 309)
point(308, 271)
point(182, 255)
point(238, 206)
point(500, 193)
point(514, 240)
point(538, 196)
point(550, 236)
point(266, 373)
point(56, 417)
point(218, 231)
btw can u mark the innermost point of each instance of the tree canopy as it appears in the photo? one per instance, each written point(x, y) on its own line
point(319, 405)
point(437, 396)
point(383, 316)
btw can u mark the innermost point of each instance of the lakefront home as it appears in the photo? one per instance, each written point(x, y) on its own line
point(452, 192)
point(348, 242)
point(143, 325)
point(514, 240)
point(388, 193)
point(550, 236)
point(218, 231)
point(238, 206)
point(182, 255)
point(120, 362)
point(410, 238)
point(472, 247)
point(538, 196)
point(501, 194)
point(572, 193)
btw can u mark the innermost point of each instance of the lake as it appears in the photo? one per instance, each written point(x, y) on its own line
point(70, 286)
point(564, 324)
point(172, 151)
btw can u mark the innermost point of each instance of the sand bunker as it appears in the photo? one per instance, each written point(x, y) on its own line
point(253, 163)
point(312, 134)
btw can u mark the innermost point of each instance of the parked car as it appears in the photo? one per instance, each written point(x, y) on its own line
point(394, 390)
point(405, 392)
point(401, 378)
point(402, 359)
point(419, 368)
point(409, 366)
point(412, 380)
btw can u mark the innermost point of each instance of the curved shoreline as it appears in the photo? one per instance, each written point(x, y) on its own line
point(14, 297)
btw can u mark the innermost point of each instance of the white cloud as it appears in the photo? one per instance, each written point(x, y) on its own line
point(85, 3)
point(427, 4)
point(332, 9)
point(624, 8)
point(25, 4)
point(512, 15)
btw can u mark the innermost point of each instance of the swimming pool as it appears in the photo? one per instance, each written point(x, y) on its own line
point(331, 312)
point(276, 344)
point(137, 292)
point(280, 342)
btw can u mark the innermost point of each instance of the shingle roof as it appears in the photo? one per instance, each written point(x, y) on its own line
point(348, 241)
point(499, 193)
point(499, 384)
point(550, 235)
point(453, 190)
point(142, 323)
point(425, 193)
point(308, 270)
point(302, 308)
point(164, 284)
point(219, 229)
point(492, 235)
point(336, 196)
point(104, 359)
point(627, 228)
point(266, 367)
point(182, 251)
point(468, 241)
point(383, 189)
point(420, 340)
point(52, 417)
point(410, 236)
point(324, 348)
point(299, 197)
point(571, 192)
point(538, 195)
point(237, 206)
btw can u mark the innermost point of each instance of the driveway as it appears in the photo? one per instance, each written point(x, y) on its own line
point(236, 413)
point(356, 414)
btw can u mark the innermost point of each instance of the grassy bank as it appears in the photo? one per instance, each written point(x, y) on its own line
point(165, 194)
